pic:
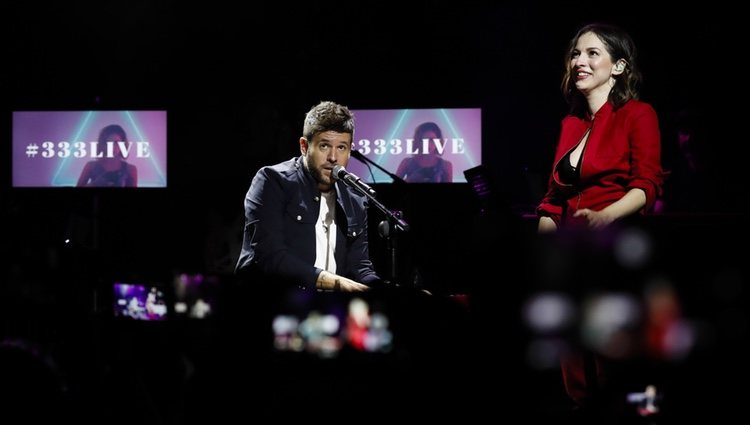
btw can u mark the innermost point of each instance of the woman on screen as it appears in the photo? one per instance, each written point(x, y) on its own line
point(109, 170)
point(426, 166)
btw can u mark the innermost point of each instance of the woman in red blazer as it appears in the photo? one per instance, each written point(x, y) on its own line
point(607, 166)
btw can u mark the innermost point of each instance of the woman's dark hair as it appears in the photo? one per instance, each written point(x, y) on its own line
point(426, 127)
point(109, 130)
point(620, 46)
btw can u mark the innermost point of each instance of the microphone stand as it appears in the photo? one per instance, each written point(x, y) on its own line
point(387, 229)
point(359, 156)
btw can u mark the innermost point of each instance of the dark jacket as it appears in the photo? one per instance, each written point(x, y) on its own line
point(281, 209)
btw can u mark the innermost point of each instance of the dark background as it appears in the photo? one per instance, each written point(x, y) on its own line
point(237, 80)
point(237, 83)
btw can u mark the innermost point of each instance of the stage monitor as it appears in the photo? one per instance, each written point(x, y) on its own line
point(139, 301)
point(326, 325)
point(416, 145)
point(196, 295)
point(105, 149)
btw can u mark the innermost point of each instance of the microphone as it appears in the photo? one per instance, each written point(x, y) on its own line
point(351, 180)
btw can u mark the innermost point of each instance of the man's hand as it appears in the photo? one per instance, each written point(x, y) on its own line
point(347, 285)
point(328, 281)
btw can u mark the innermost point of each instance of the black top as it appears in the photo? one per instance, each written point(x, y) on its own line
point(569, 174)
point(117, 178)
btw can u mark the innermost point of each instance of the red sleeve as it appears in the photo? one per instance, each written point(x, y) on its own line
point(549, 206)
point(645, 159)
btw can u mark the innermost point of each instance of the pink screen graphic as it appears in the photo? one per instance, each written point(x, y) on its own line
point(52, 148)
point(418, 145)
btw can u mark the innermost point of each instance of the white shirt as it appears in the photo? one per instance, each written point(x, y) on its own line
point(325, 233)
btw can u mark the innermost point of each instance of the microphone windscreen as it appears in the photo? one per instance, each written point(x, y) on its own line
point(338, 172)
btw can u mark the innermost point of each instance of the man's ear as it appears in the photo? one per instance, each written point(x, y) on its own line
point(303, 145)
